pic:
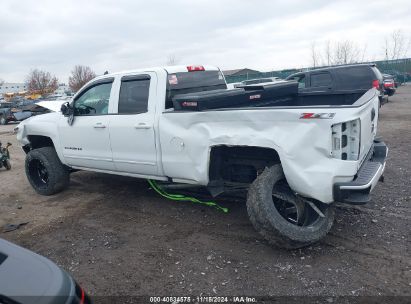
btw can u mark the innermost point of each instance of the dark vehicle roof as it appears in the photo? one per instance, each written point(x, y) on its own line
point(332, 68)
point(352, 77)
point(25, 276)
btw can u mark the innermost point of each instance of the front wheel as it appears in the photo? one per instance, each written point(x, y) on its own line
point(45, 172)
point(283, 218)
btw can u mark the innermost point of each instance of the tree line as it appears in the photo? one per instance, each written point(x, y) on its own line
point(396, 46)
point(44, 83)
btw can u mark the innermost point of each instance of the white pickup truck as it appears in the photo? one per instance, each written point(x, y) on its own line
point(294, 155)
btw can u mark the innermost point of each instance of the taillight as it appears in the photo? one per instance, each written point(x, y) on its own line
point(346, 140)
point(194, 68)
point(376, 84)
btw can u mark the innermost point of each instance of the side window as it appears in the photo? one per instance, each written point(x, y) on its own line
point(321, 80)
point(93, 101)
point(134, 92)
point(300, 79)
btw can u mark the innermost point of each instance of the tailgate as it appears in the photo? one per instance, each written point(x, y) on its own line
point(368, 122)
point(352, 139)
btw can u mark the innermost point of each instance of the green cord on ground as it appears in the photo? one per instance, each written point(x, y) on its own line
point(179, 197)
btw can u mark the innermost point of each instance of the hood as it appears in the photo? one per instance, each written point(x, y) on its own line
point(53, 105)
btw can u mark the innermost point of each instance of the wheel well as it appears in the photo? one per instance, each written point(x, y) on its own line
point(239, 164)
point(37, 141)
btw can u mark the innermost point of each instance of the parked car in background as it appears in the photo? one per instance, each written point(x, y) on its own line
point(10, 111)
point(348, 78)
point(389, 84)
point(19, 110)
point(27, 278)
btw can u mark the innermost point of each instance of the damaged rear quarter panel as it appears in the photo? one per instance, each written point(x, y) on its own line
point(304, 146)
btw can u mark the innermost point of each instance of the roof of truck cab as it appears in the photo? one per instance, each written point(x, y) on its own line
point(342, 67)
point(168, 69)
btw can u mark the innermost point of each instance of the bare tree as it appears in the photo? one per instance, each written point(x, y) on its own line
point(328, 53)
point(41, 82)
point(363, 53)
point(1, 82)
point(80, 75)
point(315, 55)
point(396, 45)
point(334, 53)
point(172, 59)
point(346, 52)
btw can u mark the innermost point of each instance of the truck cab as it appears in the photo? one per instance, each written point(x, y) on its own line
point(115, 117)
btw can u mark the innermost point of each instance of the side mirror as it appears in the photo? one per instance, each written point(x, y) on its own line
point(66, 109)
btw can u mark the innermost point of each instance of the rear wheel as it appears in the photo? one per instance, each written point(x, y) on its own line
point(283, 218)
point(46, 174)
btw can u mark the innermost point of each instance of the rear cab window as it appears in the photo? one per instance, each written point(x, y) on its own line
point(192, 82)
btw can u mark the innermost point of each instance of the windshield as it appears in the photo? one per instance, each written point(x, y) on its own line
point(191, 82)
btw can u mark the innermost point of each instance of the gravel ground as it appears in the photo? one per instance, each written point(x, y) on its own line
point(117, 237)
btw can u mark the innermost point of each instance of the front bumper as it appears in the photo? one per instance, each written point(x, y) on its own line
point(357, 192)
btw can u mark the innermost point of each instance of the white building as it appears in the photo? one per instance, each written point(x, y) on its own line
point(9, 87)
point(62, 89)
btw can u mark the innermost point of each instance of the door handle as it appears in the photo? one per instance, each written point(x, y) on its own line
point(142, 126)
point(99, 125)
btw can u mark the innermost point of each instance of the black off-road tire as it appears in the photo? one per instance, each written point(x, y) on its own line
point(271, 225)
point(58, 176)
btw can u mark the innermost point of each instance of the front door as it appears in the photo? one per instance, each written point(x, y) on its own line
point(132, 130)
point(86, 142)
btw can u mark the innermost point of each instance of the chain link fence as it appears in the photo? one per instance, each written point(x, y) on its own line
point(400, 69)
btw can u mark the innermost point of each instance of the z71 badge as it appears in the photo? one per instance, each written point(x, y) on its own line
point(317, 115)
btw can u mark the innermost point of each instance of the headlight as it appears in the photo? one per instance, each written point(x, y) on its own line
point(346, 140)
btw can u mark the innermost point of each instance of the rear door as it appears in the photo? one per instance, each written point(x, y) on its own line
point(132, 128)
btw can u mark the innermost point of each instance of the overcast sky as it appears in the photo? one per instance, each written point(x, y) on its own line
point(126, 34)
